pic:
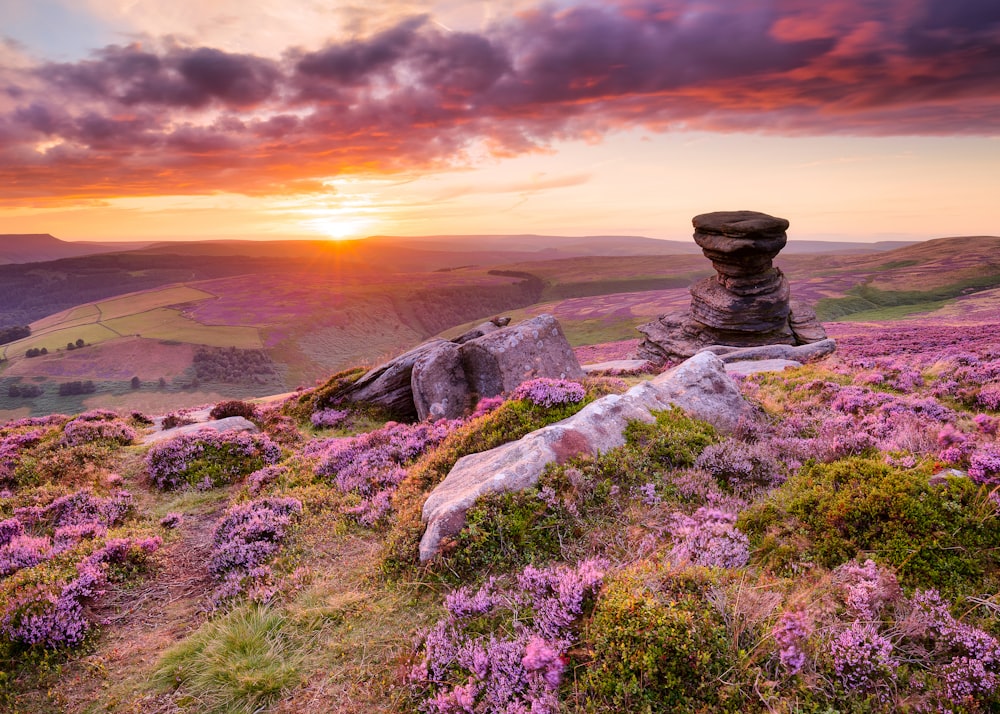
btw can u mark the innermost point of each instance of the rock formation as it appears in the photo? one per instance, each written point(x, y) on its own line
point(747, 303)
point(699, 386)
point(441, 378)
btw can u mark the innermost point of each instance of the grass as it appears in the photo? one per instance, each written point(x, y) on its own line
point(242, 661)
point(874, 301)
point(169, 324)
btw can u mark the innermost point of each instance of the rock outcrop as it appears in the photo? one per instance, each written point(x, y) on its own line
point(235, 423)
point(746, 303)
point(699, 386)
point(441, 378)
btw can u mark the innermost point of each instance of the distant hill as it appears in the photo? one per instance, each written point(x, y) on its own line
point(42, 247)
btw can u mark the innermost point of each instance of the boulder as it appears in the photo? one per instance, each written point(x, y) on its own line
point(477, 331)
point(499, 361)
point(760, 365)
point(235, 423)
point(617, 366)
point(440, 389)
point(798, 353)
point(390, 385)
point(700, 386)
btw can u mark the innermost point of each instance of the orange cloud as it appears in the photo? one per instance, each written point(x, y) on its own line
point(172, 119)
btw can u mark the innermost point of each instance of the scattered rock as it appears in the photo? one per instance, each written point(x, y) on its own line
point(390, 385)
point(440, 389)
point(617, 366)
point(477, 331)
point(439, 379)
point(746, 303)
point(760, 365)
point(700, 386)
point(219, 425)
point(798, 353)
point(941, 477)
point(499, 361)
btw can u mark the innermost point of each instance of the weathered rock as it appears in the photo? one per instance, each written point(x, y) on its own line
point(805, 326)
point(477, 331)
point(700, 386)
point(799, 353)
point(617, 366)
point(746, 303)
point(440, 389)
point(235, 423)
point(760, 365)
point(499, 361)
point(390, 385)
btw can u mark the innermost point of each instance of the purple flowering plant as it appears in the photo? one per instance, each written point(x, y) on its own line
point(209, 456)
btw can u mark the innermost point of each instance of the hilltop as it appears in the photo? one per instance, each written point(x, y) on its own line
point(320, 308)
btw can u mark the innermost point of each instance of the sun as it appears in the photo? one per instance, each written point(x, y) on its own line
point(340, 228)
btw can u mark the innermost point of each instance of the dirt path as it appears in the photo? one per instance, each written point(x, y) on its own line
point(141, 623)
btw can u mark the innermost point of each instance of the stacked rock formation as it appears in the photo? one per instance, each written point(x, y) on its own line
point(747, 303)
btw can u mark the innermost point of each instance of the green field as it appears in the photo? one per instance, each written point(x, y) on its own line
point(169, 324)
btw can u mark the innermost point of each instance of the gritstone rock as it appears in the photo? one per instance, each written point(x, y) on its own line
point(499, 361)
point(746, 303)
point(236, 423)
point(699, 386)
point(439, 379)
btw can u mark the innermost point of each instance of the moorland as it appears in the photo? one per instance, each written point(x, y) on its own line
point(839, 551)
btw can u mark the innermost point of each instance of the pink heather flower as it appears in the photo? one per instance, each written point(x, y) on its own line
point(172, 520)
point(984, 464)
point(987, 424)
point(487, 405)
point(709, 538)
point(540, 655)
point(791, 632)
point(862, 659)
point(546, 392)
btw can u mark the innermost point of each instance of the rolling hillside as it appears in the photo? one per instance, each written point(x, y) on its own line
point(313, 312)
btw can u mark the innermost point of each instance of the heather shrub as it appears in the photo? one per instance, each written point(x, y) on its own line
point(329, 418)
point(508, 422)
point(654, 644)
point(209, 458)
point(505, 530)
point(107, 431)
point(740, 466)
point(245, 540)
point(544, 392)
point(941, 534)
point(233, 408)
point(324, 396)
point(176, 419)
point(50, 612)
point(503, 648)
point(708, 538)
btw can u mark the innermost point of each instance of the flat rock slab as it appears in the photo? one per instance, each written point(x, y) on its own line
point(235, 423)
point(760, 365)
point(699, 386)
point(798, 353)
point(617, 365)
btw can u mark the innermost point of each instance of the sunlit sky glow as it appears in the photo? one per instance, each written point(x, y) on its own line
point(140, 119)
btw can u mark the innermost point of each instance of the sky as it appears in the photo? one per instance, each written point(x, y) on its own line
point(151, 120)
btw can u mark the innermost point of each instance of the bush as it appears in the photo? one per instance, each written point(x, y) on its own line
point(233, 365)
point(657, 644)
point(208, 458)
point(231, 408)
point(112, 432)
point(76, 387)
point(942, 534)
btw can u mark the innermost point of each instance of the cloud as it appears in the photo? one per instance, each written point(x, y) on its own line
point(164, 117)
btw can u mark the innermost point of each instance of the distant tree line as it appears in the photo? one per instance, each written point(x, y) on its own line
point(24, 391)
point(36, 352)
point(232, 365)
point(17, 332)
point(71, 388)
point(70, 346)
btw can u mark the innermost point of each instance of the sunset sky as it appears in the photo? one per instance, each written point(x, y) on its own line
point(145, 119)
